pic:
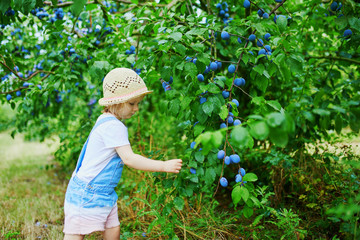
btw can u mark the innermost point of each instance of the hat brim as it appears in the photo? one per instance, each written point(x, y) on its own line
point(122, 99)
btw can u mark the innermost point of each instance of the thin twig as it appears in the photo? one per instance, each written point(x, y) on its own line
point(334, 58)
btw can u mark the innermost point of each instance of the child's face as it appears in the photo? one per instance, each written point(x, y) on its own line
point(129, 108)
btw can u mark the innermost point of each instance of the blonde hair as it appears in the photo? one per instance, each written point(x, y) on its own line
point(114, 109)
point(117, 109)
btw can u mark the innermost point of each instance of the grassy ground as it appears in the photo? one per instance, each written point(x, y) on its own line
point(30, 196)
point(31, 192)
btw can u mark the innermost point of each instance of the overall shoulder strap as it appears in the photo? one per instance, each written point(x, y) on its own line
point(103, 120)
point(83, 150)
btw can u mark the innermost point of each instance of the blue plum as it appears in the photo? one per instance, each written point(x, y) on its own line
point(227, 160)
point(347, 33)
point(242, 171)
point(223, 125)
point(213, 66)
point(236, 102)
point(267, 36)
point(200, 77)
point(239, 82)
point(237, 122)
point(252, 37)
point(225, 35)
point(246, 4)
point(235, 158)
point(221, 154)
point(223, 182)
point(231, 68)
point(238, 178)
point(225, 94)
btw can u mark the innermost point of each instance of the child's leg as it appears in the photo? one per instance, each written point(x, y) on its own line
point(73, 237)
point(112, 233)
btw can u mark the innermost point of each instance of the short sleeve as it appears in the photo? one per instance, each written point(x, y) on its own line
point(114, 134)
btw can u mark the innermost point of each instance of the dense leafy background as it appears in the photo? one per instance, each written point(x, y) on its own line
point(299, 95)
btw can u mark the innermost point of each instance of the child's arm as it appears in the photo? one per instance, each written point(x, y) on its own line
point(142, 163)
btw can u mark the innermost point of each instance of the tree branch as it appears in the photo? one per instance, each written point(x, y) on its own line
point(334, 58)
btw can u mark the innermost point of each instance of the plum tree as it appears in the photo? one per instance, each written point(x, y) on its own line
point(55, 55)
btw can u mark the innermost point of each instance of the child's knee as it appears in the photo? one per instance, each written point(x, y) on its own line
point(112, 233)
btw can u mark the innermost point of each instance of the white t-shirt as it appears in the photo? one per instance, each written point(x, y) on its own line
point(101, 147)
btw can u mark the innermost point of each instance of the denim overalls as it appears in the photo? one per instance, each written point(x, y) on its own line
point(99, 192)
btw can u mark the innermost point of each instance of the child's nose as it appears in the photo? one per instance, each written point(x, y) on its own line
point(136, 108)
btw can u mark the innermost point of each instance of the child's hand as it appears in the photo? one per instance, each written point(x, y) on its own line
point(173, 166)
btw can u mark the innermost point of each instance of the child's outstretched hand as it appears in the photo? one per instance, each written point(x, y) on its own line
point(173, 165)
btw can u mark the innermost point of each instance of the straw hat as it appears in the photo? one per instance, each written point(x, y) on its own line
point(121, 85)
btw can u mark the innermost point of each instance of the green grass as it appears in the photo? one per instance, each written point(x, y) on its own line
point(31, 197)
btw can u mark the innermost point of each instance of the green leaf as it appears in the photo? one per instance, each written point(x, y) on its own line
point(216, 102)
point(208, 107)
point(257, 219)
point(199, 157)
point(248, 212)
point(244, 193)
point(99, 69)
point(354, 23)
point(281, 22)
point(198, 47)
point(213, 88)
point(180, 48)
point(174, 106)
point(236, 195)
point(210, 175)
point(266, 74)
point(341, 22)
point(321, 112)
point(274, 104)
point(176, 36)
point(166, 72)
point(259, 130)
point(25, 6)
point(338, 123)
point(90, 7)
point(285, 72)
point(217, 138)
point(204, 58)
point(191, 69)
point(4, 5)
point(194, 179)
point(185, 102)
point(198, 129)
point(224, 112)
point(77, 7)
point(250, 177)
point(179, 203)
point(309, 116)
point(258, 101)
point(275, 119)
point(259, 69)
point(196, 31)
point(261, 83)
point(278, 137)
point(241, 136)
point(295, 65)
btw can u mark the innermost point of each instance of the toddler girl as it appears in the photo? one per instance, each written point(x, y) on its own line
point(90, 200)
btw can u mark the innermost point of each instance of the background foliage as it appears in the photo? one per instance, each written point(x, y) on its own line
point(300, 90)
